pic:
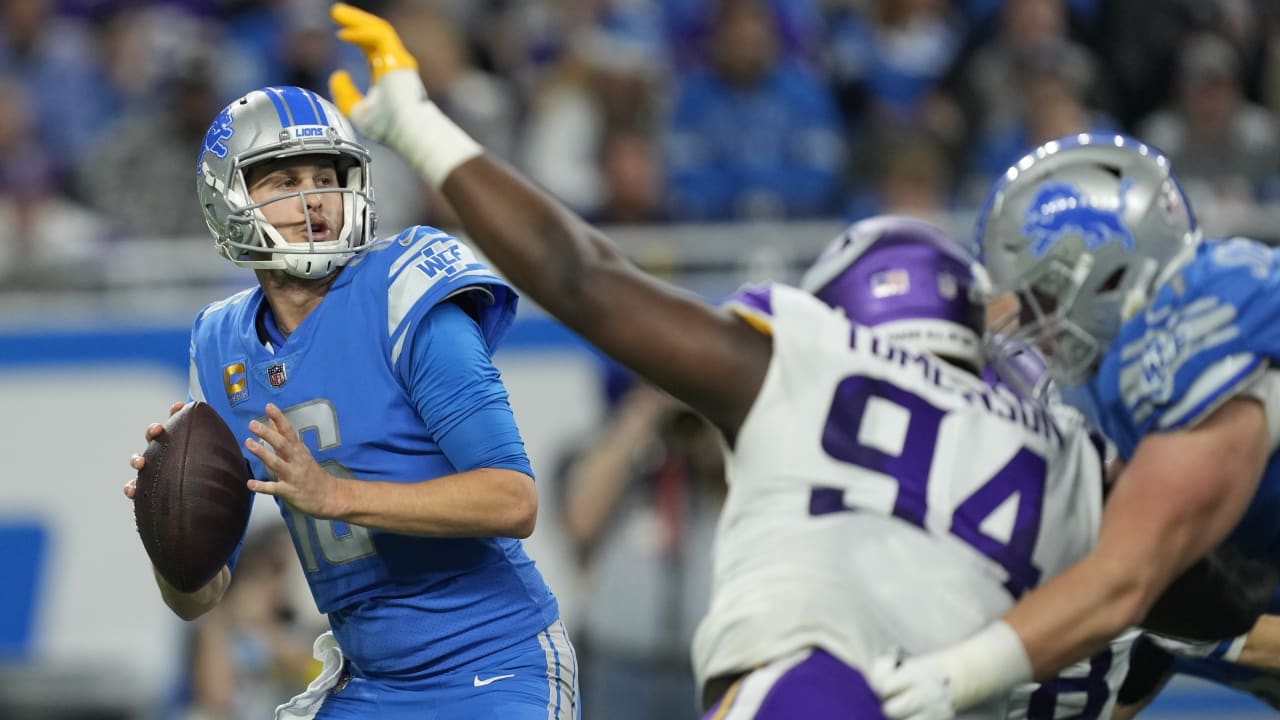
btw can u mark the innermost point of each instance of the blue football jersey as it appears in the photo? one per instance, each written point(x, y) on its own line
point(1210, 331)
point(400, 605)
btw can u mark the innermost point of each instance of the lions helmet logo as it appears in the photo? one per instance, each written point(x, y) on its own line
point(1060, 208)
point(216, 138)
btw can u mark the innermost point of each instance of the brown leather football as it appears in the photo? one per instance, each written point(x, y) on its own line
point(192, 504)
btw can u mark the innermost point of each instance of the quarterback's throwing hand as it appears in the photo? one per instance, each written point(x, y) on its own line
point(911, 689)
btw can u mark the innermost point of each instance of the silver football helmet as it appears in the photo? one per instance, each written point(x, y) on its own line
point(1082, 230)
point(269, 124)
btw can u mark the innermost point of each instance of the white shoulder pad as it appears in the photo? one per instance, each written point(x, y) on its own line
point(1266, 390)
point(1219, 383)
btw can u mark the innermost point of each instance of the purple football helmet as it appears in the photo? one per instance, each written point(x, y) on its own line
point(910, 281)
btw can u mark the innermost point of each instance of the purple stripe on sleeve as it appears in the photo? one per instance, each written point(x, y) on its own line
point(758, 298)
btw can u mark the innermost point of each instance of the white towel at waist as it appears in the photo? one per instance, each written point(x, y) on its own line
point(307, 703)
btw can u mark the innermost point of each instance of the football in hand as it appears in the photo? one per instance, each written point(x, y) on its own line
point(191, 501)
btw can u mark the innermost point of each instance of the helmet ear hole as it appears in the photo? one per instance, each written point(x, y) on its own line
point(1113, 280)
point(343, 167)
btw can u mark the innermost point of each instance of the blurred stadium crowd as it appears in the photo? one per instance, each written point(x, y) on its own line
point(632, 112)
point(636, 111)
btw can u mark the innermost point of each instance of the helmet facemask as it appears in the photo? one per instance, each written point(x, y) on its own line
point(1043, 320)
point(252, 241)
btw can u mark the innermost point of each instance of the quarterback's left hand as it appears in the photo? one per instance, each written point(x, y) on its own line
point(916, 688)
point(300, 481)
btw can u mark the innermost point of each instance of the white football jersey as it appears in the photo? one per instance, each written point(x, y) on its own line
point(1086, 690)
point(883, 500)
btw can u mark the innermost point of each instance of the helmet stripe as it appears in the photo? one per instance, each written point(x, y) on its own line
point(300, 106)
point(296, 106)
point(317, 106)
point(274, 94)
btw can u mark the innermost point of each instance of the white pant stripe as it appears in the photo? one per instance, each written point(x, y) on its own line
point(562, 673)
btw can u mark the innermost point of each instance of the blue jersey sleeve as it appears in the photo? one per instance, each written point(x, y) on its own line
point(430, 267)
point(459, 393)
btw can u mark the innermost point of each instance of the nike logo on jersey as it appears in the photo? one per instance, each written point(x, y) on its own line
point(488, 681)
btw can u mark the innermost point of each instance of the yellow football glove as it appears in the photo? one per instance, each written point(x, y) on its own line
point(396, 111)
point(381, 46)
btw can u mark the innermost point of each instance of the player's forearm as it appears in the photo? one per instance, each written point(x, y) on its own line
point(190, 606)
point(1262, 644)
point(476, 503)
point(1128, 711)
point(542, 247)
point(1140, 550)
point(581, 278)
point(1078, 613)
point(1176, 500)
point(1068, 619)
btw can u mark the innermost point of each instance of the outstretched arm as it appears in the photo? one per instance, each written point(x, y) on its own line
point(698, 353)
point(701, 355)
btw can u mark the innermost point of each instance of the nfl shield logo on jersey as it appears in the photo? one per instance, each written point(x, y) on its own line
point(275, 375)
